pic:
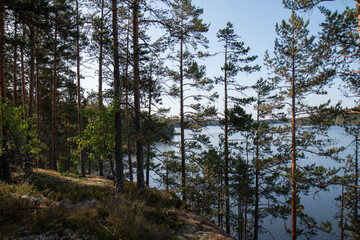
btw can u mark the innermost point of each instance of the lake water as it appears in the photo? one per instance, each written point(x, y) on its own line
point(320, 206)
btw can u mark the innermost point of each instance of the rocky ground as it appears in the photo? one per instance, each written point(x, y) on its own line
point(198, 227)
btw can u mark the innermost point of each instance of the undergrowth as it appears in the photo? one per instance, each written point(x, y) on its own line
point(56, 203)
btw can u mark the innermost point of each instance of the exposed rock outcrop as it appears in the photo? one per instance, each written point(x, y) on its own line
point(199, 228)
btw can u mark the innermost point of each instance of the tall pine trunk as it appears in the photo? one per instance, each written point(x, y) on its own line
point(182, 124)
point(4, 160)
point(32, 73)
point(119, 176)
point(127, 116)
point(358, 17)
point(148, 157)
point(23, 87)
point(37, 106)
point(100, 98)
point(81, 155)
point(257, 173)
point(356, 180)
point(220, 201)
point(138, 142)
point(54, 88)
point(226, 149)
point(341, 223)
point(15, 80)
point(29, 157)
point(293, 154)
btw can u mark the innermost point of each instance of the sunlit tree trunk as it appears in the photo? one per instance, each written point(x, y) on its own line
point(127, 114)
point(100, 97)
point(138, 142)
point(182, 124)
point(342, 214)
point(358, 17)
point(119, 176)
point(81, 155)
point(226, 148)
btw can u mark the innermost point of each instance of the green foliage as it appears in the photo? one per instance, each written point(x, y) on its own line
point(239, 119)
point(235, 53)
point(338, 38)
point(98, 136)
point(23, 137)
point(299, 72)
point(301, 4)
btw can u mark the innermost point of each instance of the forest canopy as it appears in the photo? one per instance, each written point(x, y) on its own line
point(148, 121)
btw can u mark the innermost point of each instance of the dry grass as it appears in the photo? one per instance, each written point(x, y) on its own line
point(87, 205)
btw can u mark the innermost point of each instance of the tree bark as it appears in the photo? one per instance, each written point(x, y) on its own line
point(138, 142)
point(226, 148)
point(293, 157)
point(37, 107)
point(119, 176)
point(341, 224)
point(31, 74)
point(358, 17)
point(148, 157)
point(29, 157)
point(4, 160)
point(100, 98)
point(257, 173)
point(78, 87)
point(182, 124)
point(23, 89)
point(68, 158)
point(356, 181)
point(54, 88)
point(15, 80)
point(127, 117)
point(220, 201)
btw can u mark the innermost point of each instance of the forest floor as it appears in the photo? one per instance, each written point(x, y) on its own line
point(55, 207)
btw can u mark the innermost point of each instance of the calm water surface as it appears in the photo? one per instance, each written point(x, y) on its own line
point(320, 206)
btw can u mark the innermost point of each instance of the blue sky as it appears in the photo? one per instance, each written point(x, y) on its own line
point(254, 21)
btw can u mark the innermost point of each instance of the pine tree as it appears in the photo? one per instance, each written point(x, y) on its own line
point(234, 50)
point(119, 175)
point(262, 143)
point(187, 30)
point(100, 48)
point(295, 66)
point(137, 124)
point(338, 38)
point(81, 155)
point(341, 28)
